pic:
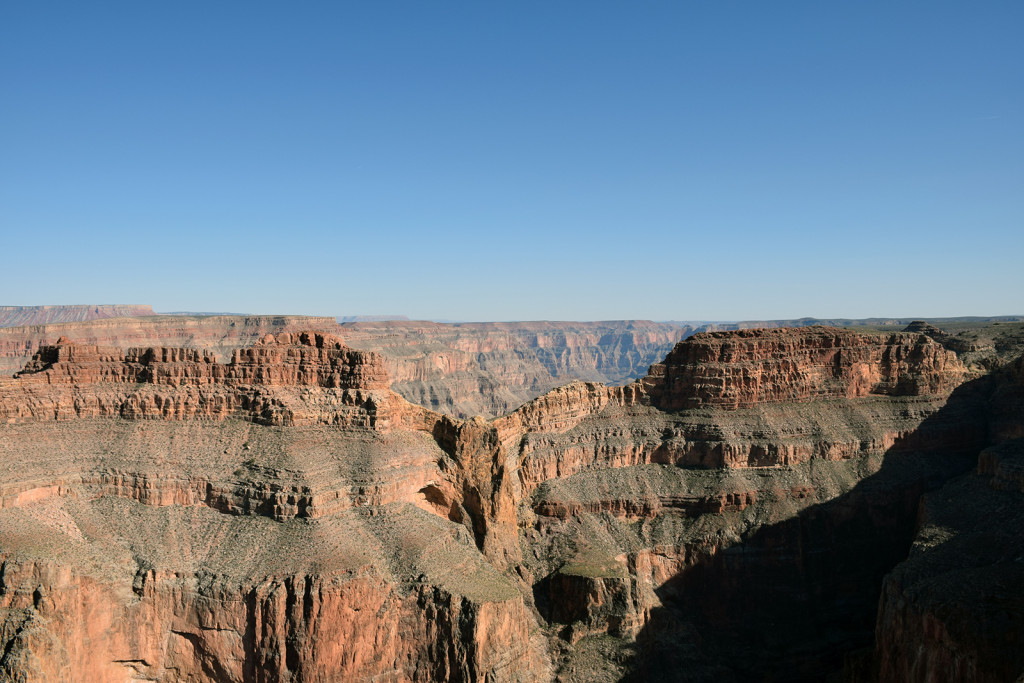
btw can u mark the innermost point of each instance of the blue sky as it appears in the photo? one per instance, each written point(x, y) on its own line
point(504, 161)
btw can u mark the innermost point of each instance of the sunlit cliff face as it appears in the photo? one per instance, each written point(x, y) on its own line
point(283, 515)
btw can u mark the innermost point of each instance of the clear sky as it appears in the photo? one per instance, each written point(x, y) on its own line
point(515, 160)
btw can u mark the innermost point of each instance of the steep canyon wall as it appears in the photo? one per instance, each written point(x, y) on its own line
point(278, 513)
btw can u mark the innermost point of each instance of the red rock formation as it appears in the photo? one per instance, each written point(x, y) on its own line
point(370, 539)
point(954, 609)
point(372, 588)
point(354, 625)
point(490, 369)
point(132, 383)
point(460, 369)
point(745, 368)
point(218, 334)
point(760, 378)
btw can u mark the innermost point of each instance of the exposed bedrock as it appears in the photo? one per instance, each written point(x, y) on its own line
point(38, 315)
point(268, 382)
point(954, 609)
point(748, 542)
point(282, 515)
point(458, 369)
point(218, 334)
point(749, 367)
point(489, 369)
point(332, 610)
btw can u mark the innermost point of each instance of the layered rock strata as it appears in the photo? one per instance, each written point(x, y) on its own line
point(954, 609)
point(490, 369)
point(458, 369)
point(187, 383)
point(750, 367)
point(284, 516)
point(218, 334)
point(11, 316)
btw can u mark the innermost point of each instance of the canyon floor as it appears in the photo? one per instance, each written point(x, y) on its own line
point(282, 498)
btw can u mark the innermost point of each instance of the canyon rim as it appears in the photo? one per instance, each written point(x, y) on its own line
point(789, 504)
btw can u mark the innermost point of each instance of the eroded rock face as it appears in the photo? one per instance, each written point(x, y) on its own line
point(457, 369)
point(749, 367)
point(262, 383)
point(336, 618)
point(954, 609)
point(11, 316)
point(284, 516)
point(217, 334)
point(667, 507)
point(490, 369)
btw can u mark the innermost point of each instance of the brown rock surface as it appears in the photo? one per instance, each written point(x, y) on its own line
point(166, 514)
point(954, 609)
point(219, 334)
point(11, 316)
point(148, 548)
point(187, 383)
point(748, 367)
point(489, 369)
point(458, 369)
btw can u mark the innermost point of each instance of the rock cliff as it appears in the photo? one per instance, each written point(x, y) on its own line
point(954, 609)
point(219, 334)
point(748, 367)
point(281, 514)
point(458, 369)
point(178, 383)
point(489, 369)
point(39, 315)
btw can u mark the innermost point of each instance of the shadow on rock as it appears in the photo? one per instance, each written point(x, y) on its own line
point(794, 599)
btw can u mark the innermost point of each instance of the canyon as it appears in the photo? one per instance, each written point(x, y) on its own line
point(12, 316)
point(462, 369)
point(282, 498)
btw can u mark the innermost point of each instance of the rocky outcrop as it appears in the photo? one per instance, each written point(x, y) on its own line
point(335, 620)
point(746, 368)
point(301, 359)
point(188, 383)
point(217, 334)
point(11, 316)
point(286, 518)
point(954, 609)
point(811, 445)
point(688, 412)
point(458, 369)
point(313, 525)
point(489, 369)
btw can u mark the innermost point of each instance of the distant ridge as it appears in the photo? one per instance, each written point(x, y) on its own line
point(695, 326)
point(14, 316)
point(369, 318)
point(206, 313)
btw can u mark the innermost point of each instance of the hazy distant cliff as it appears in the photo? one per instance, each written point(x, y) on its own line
point(11, 316)
point(459, 369)
point(491, 368)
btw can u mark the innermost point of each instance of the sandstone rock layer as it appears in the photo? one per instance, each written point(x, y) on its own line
point(170, 514)
point(11, 316)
